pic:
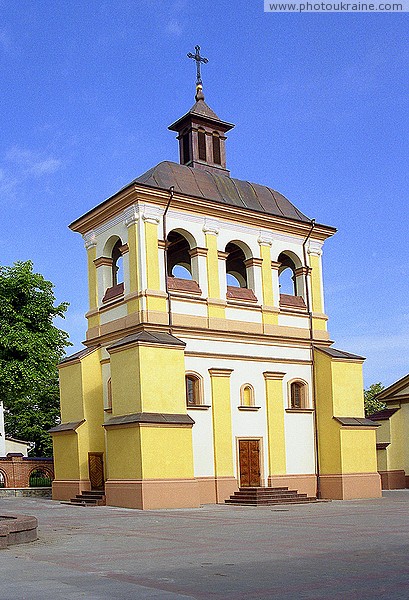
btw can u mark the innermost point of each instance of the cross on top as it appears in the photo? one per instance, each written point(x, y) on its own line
point(199, 59)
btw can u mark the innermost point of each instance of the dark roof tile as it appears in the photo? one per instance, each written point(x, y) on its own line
point(219, 188)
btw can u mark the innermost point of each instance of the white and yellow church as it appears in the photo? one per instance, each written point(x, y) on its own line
point(207, 363)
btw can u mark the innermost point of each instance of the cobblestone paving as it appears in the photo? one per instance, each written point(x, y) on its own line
point(337, 550)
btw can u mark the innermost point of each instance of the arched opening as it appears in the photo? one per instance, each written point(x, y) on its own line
point(2, 480)
point(113, 268)
point(291, 283)
point(201, 141)
point(117, 264)
point(179, 263)
point(193, 390)
point(39, 478)
point(236, 272)
point(247, 395)
point(298, 395)
point(217, 159)
point(286, 275)
point(180, 269)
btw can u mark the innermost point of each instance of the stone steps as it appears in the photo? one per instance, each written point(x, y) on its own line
point(268, 497)
point(89, 498)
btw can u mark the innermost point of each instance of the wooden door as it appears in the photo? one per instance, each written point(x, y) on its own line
point(96, 470)
point(249, 461)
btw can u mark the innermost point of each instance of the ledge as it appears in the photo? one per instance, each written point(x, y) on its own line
point(299, 410)
point(198, 406)
point(249, 408)
point(151, 418)
point(356, 422)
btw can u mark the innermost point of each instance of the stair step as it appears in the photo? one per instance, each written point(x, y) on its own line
point(266, 496)
point(93, 493)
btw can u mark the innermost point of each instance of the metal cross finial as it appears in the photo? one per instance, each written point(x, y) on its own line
point(199, 59)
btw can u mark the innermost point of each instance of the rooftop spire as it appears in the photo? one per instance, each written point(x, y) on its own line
point(199, 84)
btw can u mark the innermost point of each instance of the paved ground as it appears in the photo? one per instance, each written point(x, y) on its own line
point(338, 550)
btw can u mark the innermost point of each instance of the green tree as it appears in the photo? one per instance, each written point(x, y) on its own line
point(372, 405)
point(30, 349)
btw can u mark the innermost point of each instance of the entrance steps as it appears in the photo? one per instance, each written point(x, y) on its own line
point(265, 496)
point(90, 498)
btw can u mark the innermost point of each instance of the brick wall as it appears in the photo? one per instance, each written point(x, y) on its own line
point(16, 469)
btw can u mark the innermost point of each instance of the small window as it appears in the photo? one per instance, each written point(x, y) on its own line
point(186, 148)
point(201, 139)
point(298, 394)
point(247, 395)
point(216, 150)
point(193, 390)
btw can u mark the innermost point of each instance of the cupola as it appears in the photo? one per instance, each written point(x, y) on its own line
point(201, 133)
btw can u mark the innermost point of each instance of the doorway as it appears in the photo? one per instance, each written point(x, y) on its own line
point(96, 470)
point(249, 463)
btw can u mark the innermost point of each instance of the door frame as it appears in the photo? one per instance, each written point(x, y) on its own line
point(261, 456)
point(101, 454)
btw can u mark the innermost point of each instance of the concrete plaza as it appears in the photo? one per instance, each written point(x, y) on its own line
point(336, 550)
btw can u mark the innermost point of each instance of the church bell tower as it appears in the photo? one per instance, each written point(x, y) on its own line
point(201, 134)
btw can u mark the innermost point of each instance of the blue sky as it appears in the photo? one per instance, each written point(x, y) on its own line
point(320, 103)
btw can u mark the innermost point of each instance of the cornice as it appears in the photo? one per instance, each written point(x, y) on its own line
point(213, 213)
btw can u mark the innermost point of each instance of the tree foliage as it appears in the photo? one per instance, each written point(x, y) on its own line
point(372, 405)
point(30, 349)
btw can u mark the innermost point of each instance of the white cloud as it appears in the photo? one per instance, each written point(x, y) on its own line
point(174, 27)
point(32, 163)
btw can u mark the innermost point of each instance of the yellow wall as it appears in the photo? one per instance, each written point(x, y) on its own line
point(167, 452)
point(339, 392)
point(124, 453)
point(92, 278)
point(348, 389)
point(162, 377)
point(358, 451)
point(66, 457)
point(316, 288)
point(134, 284)
point(275, 423)
point(72, 408)
point(125, 381)
point(222, 429)
point(399, 439)
point(141, 376)
point(152, 255)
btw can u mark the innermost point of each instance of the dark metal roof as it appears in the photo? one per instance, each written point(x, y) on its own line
point(66, 426)
point(203, 111)
point(383, 415)
point(144, 417)
point(339, 353)
point(219, 188)
point(78, 355)
point(149, 337)
point(355, 422)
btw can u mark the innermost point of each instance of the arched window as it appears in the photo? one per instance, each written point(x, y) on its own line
point(298, 394)
point(179, 263)
point(117, 264)
point(39, 478)
point(286, 275)
point(291, 281)
point(2, 480)
point(216, 149)
point(201, 141)
point(193, 390)
point(236, 272)
point(246, 395)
